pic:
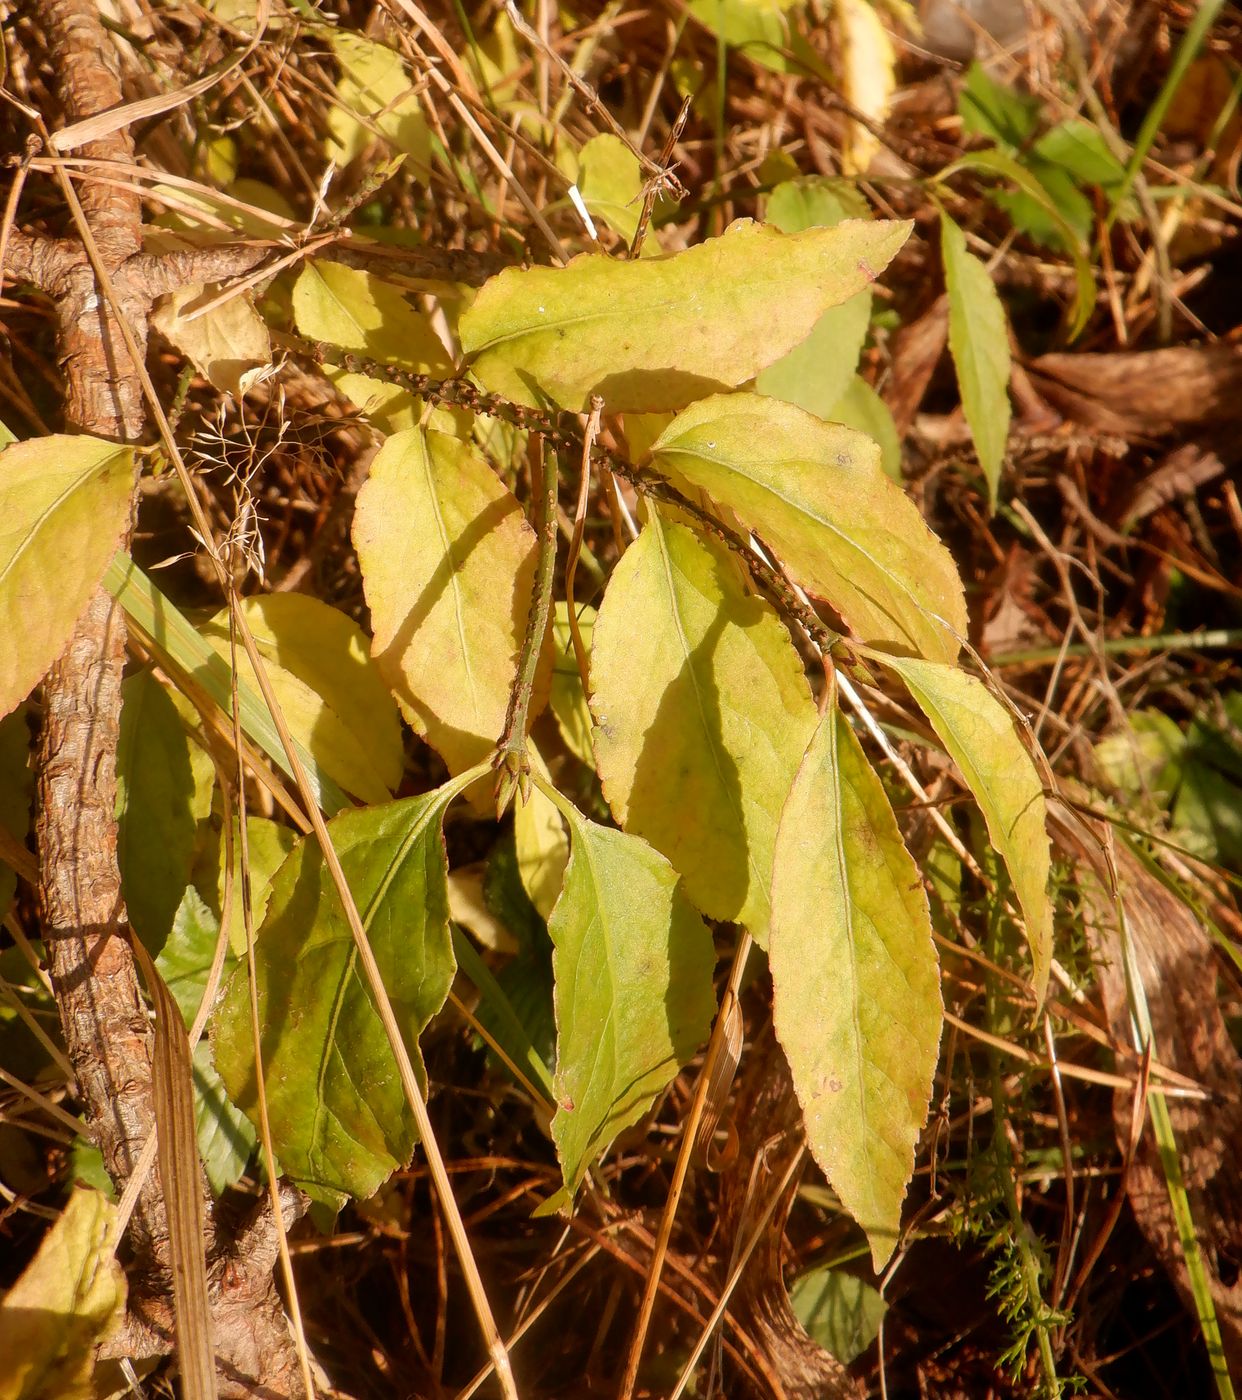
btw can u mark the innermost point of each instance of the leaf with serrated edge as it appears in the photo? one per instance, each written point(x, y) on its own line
point(340, 1122)
point(658, 333)
point(64, 504)
point(816, 494)
point(63, 1305)
point(632, 963)
point(371, 317)
point(979, 342)
point(334, 698)
point(856, 984)
point(980, 736)
point(448, 562)
point(702, 713)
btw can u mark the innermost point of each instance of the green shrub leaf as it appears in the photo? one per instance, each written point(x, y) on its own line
point(979, 341)
point(64, 504)
point(633, 968)
point(816, 493)
point(856, 985)
point(658, 333)
point(164, 789)
point(702, 713)
point(980, 736)
point(340, 1123)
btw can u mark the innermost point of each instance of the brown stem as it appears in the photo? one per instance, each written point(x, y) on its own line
point(94, 977)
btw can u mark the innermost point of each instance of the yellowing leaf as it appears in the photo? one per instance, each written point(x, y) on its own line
point(868, 78)
point(340, 1123)
point(359, 312)
point(633, 971)
point(980, 736)
point(540, 842)
point(226, 345)
point(64, 1303)
point(855, 980)
point(567, 700)
point(816, 494)
point(979, 342)
point(447, 561)
point(333, 697)
point(702, 714)
point(658, 333)
point(374, 96)
point(64, 504)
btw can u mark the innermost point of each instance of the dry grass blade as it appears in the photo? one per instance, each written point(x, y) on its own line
point(183, 1190)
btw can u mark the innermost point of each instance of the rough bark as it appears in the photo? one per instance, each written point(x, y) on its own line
point(769, 1129)
point(93, 971)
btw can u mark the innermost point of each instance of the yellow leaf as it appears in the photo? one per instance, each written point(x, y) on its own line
point(658, 333)
point(868, 78)
point(333, 697)
point(447, 562)
point(374, 97)
point(855, 980)
point(980, 736)
point(63, 1305)
point(816, 494)
point(702, 713)
point(359, 312)
point(64, 504)
point(225, 345)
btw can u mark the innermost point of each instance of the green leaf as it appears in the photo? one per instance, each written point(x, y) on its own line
point(269, 844)
point(657, 333)
point(65, 1303)
point(163, 792)
point(16, 792)
point(361, 313)
point(447, 561)
point(224, 1134)
point(759, 27)
point(979, 341)
point(702, 713)
point(374, 95)
point(815, 493)
point(855, 980)
point(611, 183)
point(980, 736)
point(634, 1000)
point(1080, 148)
point(815, 373)
point(64, 504)
point(862, 408)
point(334, 699)
point(997, 162)
point(840, 1312)
point(996, 110)
point(340, 1122)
